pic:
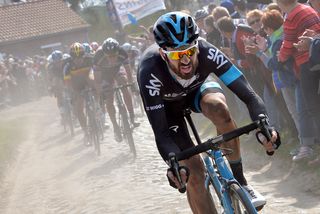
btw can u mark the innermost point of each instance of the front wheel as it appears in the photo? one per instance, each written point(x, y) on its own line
point(127, 130)
point(241, 204)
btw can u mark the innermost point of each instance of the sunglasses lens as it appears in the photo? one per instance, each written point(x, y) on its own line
point(173, 55)
point(179, 54)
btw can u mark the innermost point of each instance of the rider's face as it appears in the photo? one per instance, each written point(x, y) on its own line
point(184, 63)
point(77, 60)
point(112, 58)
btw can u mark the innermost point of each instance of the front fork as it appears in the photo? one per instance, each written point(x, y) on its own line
point(220, 176)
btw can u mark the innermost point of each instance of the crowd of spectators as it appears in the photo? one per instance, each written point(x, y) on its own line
point(22, 80)
point(277, 47)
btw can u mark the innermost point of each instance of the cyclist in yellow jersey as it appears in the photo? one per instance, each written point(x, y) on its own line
point(76, 77)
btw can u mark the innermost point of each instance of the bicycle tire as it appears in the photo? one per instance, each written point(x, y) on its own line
point(93, 129)
point(128, 133)
point(96, 142)
point(69, 122)
point(216, 198)
point(240, 201)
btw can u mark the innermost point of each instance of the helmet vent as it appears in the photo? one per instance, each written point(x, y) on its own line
point(174, 18)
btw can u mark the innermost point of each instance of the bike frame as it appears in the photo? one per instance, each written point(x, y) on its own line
point(218, 173)
point(92, 120)
point(123, 117)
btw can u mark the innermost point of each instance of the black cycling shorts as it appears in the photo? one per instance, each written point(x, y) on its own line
point(174, 111)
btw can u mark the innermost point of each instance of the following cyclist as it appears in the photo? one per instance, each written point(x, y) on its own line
point(76, 76)
point(94, 46)
point(111, 64)
point(55, 76)
point(172, 78)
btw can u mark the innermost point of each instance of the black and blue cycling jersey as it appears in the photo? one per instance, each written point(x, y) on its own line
point(164, 97)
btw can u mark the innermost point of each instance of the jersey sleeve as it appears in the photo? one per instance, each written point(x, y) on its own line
point(123, 56)
point(232, 77)
point(67, 71)
point(150, 85)
point(97, 57)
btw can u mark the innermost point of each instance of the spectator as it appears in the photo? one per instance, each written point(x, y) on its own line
point(286, 82)
point(235, 35)
point(211, 6)
point(300, 17)
point(239, 15)
point(273, 6)
point(254, 21)
point(218, 13)
point(199, 17)
point(228, 5)
point(310, 41)
point(249, 64)
point(315, 4)
point(213, 34)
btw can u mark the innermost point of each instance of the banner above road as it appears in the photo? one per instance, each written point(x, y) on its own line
point(129, 11)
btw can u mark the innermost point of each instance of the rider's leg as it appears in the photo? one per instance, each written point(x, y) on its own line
point(214, 107)
point(59, 95)
point(78, 105)
point(112, 115)
point(127, 96)
point(199, 198)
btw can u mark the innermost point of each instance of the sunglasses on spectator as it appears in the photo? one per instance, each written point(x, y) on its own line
point(177, 55)
point(254, 22)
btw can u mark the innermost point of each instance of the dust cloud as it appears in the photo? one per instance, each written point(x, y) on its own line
point(54, 173)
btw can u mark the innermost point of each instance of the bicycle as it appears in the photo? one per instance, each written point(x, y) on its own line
point(66, 112)
point(122, 117)
point(232, 197)
point(95, 123)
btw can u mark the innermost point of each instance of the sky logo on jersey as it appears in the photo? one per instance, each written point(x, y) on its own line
point(217, 56)
point(154, 87)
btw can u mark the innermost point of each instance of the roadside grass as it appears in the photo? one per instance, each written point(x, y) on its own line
point(12, 132)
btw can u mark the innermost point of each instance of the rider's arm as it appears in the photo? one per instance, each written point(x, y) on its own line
point(244, 91)
point(232, 77)
point(67, 75)
point(150, 90)
point(129, 72)
point(126, 64)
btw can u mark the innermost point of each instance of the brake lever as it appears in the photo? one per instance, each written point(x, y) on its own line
point(174, 165)
point(263, 125)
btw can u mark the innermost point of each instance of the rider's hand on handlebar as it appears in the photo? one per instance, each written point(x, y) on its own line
point(273, 143)
point(177, 175)
point(270, 146)
point(173, 180)
point(267, 135)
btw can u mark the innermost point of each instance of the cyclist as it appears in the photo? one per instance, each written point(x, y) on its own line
point(94, 46)
point(76, 76)
point(55, 76)
point(111, 64)
point(133, 54)
point(87, 48)
point(172, 78)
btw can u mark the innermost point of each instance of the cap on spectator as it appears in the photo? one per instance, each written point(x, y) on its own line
point(200, 14)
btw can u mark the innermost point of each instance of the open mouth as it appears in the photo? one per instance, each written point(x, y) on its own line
point(186, 69)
